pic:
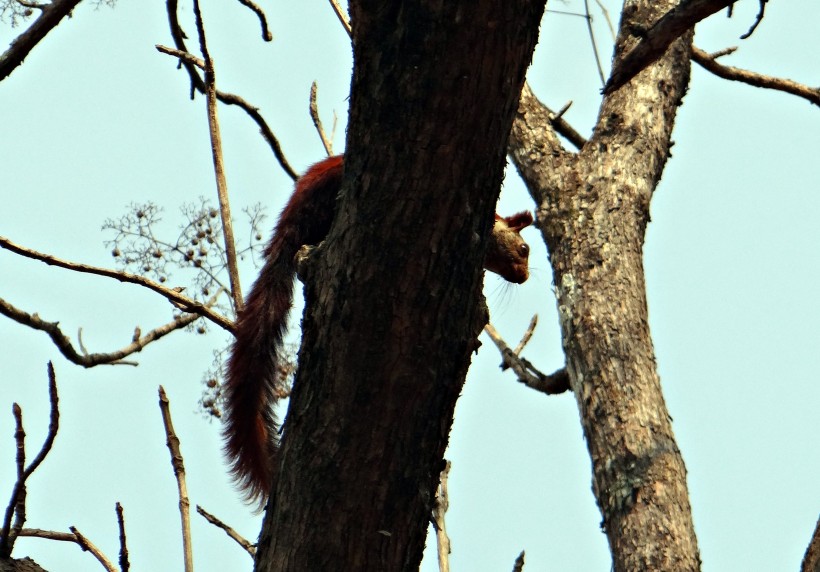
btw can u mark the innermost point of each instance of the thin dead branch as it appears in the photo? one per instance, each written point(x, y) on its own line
point(758, 20)
point(588, 18)
point(219, 164)
point(340, 13)
point(263, 21)
point(182, 302)
point(442, 503)
point(86, 544)
point(553, 384)
point(317, 121)
point(198, 84)
point(652, 42)
point(243, 542)
point(518, 566)
point(177, 462)
point(88, 360)
point(17, 502)
point(709, 63)
point(125, 565)
point(51, 14)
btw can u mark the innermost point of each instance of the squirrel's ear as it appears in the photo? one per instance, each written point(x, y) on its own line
point(519, 221)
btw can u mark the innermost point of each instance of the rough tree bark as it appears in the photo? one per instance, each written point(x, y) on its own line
point(593, 208)
point(393, 295)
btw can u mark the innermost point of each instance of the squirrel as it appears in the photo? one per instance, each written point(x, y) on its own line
point(250, 431)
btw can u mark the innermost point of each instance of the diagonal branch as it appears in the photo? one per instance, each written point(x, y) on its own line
point(654, 40)
point(553, 384)
point(198, 84)
point(709, 62)
point(87, 360)
point(50, 15)
point(183, 302)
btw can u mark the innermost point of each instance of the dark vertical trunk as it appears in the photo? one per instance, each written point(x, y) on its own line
point(393, 295)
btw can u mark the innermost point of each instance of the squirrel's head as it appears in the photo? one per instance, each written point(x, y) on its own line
point(507, 254)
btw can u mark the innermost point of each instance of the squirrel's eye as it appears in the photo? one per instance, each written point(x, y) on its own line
point(525, 249)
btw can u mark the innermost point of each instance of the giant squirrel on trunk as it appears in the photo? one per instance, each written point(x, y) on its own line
point(250, 432)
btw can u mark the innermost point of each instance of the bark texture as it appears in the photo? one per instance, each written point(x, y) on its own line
point(393, 295)
point(593, 208)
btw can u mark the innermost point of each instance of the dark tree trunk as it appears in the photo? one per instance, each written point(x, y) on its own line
point(393, 296)
point(593, 212)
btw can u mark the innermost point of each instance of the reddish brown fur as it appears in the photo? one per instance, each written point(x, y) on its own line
point(251, 433)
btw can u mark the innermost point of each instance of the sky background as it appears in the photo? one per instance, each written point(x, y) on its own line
point(96, 119)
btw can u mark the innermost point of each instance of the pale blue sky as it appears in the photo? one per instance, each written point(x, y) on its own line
point(96, 118)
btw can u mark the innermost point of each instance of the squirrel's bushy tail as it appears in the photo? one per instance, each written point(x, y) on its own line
point(251, 430)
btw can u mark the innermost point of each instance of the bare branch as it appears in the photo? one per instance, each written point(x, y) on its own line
point(337, 9)
point(125, 565)
point(86, 544)
point(182, 302)
point(87, 360)
point(263, 21)
point(588, 19)
point(198, 84)
point(177, 462)
point(654, 40)
point(50, 15)
point(219, 164)
point(243, 542)
point(518, 566)
point(525, 339)
point(18, 495)
point(553, 384)
point(317, 121)
point(74, 537)
point(442, 503)
point(184, 56)
point(709, 62)
point(758, 20)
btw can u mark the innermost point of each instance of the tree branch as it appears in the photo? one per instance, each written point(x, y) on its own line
point(243, 542)
point(654, 40)
point(177, 462)
point(553, 384)
point(219, 164)
point(811, 561)
point(84, 359)
point(183, 302)
point(18, 495)
point(263, 21)
point(709, 63)
point(50, 15)
point(198, 84)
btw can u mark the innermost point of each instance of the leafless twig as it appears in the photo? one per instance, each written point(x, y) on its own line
point(84, 359)
point(442, 503)
point(519, 563)
point(177, 462)
point(198, 84)
point(758, 20)
point(588, 18)
point(263, 21)
point(17, 502)
point(125, 565)
point(219, 165)
point(557, 382)
point(86, 544)
point(183, 302)
point(317, 121)
point(337, 9)
point(709, 62)
point(243, 542)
